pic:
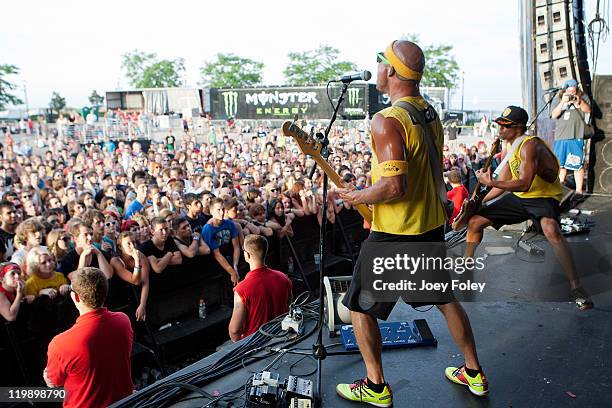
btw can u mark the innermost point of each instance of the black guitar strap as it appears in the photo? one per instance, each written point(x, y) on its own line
point(434, 159)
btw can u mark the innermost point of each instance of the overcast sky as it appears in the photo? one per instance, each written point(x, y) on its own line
point(74, 47)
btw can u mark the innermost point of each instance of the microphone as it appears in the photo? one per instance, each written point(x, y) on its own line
point(360, 76)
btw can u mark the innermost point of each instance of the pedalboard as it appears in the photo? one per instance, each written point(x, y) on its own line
point(298, 387)
point(395, 335)
point(572, 226)
point(300, 403)
point(294, 321)
point(531, 248)
point(265, 389)
point(268, 390)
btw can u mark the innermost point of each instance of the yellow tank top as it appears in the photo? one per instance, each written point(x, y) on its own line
point(35, 284)
point(539, 188)
point(419, 209)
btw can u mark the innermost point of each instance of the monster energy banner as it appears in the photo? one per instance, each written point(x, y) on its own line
point(286, 102)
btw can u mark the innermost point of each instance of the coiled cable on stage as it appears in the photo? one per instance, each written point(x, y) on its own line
point(270, 334)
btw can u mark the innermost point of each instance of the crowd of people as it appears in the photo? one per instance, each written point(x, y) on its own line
point(132, 213)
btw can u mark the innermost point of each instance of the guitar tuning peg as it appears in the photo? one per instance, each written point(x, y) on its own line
point(304, 123)
point(295, 118)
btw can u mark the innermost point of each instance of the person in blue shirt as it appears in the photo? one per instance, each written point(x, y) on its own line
point(138, 204)
point(219, 232)
point(109, 145)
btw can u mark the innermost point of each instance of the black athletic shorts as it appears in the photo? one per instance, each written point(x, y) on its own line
point(354, 300)
point(510, 209)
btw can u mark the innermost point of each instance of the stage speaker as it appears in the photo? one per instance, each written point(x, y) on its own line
point(551, 17)
point(602, 145)
point(334, 312)
point(558, 42)
point(555, 43)
point(553, 74)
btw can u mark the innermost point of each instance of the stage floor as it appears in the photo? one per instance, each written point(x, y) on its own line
point(535, 354)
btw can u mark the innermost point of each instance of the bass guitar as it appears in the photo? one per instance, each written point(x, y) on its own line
point(472, 205)
point(311, 147)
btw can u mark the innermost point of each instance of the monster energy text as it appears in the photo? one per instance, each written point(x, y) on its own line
point(263, 98)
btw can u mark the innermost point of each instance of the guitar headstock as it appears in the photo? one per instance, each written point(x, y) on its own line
point(495, 146)
point(308, 144)
point(494, 149)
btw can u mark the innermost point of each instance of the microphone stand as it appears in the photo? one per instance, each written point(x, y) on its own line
point(535, 120)
point(319, 352)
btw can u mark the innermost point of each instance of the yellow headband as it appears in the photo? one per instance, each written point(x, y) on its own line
point(400, 67)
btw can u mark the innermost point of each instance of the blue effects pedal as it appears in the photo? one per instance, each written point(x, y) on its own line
point(395, 335)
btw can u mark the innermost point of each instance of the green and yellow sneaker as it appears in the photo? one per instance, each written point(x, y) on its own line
point(478, 385)
point(581, 298)
point(360, 392)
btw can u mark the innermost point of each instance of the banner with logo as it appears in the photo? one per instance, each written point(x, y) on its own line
point(286, 102)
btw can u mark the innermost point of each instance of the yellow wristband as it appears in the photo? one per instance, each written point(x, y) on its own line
point(391, 168)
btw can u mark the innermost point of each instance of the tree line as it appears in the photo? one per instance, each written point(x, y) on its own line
point(227, 70)
point(311, 67)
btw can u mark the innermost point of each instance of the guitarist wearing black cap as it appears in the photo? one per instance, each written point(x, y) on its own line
point(530, 172)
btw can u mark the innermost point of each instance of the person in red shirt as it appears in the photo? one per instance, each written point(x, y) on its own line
point(263, 294)
point(91, 360)
point(458, 193)
point(12, 290)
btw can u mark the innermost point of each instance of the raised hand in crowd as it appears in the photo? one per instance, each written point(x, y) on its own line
point(85, 260)
point(287, 229)
point(64, 289)
point(308, 201)
point(87, 251)
point(20, 288)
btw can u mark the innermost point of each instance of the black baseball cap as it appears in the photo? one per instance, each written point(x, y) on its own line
point(513, 115)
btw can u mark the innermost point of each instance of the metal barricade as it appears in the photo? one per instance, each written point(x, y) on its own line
point(88, 134)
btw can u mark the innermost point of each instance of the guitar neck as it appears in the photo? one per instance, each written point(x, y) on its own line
point(331, 173)
point(486, 166)
point(337, 180)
